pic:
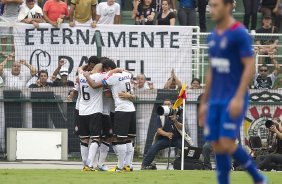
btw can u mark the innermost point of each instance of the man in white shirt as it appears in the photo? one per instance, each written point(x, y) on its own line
point(18, 76)
point(30, 13)
point(108, 13)
point(141, 83)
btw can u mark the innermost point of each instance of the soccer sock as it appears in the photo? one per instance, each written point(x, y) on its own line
point(92, 152)
point(121, 153)
point(96, 158)
point(223, 166)
point(84, 152)
point(245, 160)
point(129, 152)
point(104, 150)
point(132, 156)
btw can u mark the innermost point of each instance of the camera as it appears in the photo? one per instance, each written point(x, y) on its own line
point(268, 123)
point(168, 111)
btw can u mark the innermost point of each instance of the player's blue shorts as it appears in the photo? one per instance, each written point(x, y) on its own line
point(220, 124)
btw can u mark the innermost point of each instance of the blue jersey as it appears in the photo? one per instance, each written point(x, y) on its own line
point(225, 54)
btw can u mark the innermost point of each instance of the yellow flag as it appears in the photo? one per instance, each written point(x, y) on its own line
point(181, 97)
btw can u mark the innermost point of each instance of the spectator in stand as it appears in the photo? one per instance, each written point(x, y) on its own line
point(263, 80)
point(42, 2)
point(107, 13)
point(10, 14)
point(55, 11)
point(11, 9)
point(18, 76)
point(173, 82)
point(195, 83)
point(202, 4)
point(31, 13)
point(42, 80)
point(251, 9)
point(187, 12)
point(166, 17)
point(272, 7)
point(63, 73)
point(266, 45)
point(145, 14)
point(141, 83)
point(82, 12)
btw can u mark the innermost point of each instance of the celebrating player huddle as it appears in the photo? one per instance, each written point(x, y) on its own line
point(106, 115)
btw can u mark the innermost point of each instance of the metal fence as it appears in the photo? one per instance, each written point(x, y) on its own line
point(154, 56)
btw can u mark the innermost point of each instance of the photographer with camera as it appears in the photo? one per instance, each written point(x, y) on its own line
point(167, 134)
point(273, 159)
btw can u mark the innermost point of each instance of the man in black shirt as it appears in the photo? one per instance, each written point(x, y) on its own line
point(267, 45)
point(63, 73)
point(272, 7)
point(42, 80)
point(167, 132)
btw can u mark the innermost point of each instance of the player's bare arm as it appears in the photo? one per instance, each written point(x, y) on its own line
point(91, 82)
point(116, 70)
point(127, 96)
point(236, 105)
point(204, 99)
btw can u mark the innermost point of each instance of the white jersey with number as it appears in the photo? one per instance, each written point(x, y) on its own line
point(91, 100)
point(121, 82)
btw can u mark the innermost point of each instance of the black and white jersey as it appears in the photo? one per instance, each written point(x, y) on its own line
point(120, 82)
point(91, 100)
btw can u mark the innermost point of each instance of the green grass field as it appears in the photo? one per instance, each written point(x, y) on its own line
point(17, 176)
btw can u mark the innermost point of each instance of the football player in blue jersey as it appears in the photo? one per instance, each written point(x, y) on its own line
point(225, 101)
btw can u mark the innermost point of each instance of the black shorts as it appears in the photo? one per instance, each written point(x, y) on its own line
point(90, 125)
point(107, 128)
point(125, 124)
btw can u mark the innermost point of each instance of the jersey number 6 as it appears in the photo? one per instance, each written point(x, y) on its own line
point(85, 95)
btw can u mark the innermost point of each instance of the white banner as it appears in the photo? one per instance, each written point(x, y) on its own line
point(152, 50)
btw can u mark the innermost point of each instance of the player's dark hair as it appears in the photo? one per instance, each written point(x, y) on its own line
point(196, 79)
point(94, 59)
point(102, 59)
point(42, 71)
point(108, 63)
point(228, 2)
